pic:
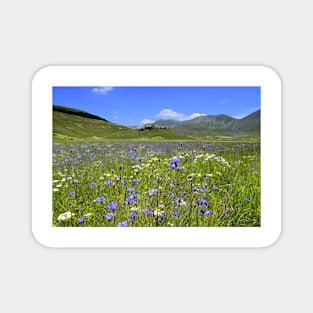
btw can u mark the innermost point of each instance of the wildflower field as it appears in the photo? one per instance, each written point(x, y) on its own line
point(157, 184)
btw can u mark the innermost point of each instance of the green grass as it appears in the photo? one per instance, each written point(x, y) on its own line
point(75, 127)
point(225, 175)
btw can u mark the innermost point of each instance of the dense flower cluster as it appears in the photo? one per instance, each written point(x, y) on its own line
point(156, 184)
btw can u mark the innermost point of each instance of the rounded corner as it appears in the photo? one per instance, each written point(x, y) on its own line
point(41, 72)
point(273, 240)
point(272, 72)
point(39, 241)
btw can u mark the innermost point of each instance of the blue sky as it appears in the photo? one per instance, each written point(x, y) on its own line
point(140, 105)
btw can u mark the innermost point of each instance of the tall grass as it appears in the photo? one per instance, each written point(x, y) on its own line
point(160, 184)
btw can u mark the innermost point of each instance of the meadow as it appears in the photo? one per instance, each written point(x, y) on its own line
point(156, 184)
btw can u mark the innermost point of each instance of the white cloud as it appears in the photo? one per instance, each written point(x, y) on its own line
point(194, 115)
point(170, 114)
point(101, 90)
point(146, 121)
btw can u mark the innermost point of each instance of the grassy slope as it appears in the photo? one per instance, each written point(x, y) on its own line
point(220, 126)
point(69, 126)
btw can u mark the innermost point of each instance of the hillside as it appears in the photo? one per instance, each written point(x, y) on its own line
point(209, 126)
point(72, 124)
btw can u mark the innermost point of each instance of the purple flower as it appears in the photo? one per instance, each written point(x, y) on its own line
point(122, 224)
point(99, 199)
point(92, 184)
point(175, 160)
point(140, 159)
point(82, 219)
point(130, 199)
point(153, 192)
point(72, 193)
point(180, 201)
point(174, 214)
point(133, 215)
point(136, 181)
point(131, 189)
point(108, 183)
point(147, 212)
point(255, 172)
point(109, 216)
point(202, 202)
point(208, 213)
point(249, 198)
point(112, 206)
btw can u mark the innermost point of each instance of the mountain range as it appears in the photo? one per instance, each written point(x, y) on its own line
point(72, 124)
point(217, 125)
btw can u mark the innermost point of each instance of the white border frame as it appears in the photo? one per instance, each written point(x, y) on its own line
point(262, 76)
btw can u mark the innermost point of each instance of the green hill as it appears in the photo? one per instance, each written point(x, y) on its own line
point(72, 124)
point(217, 126)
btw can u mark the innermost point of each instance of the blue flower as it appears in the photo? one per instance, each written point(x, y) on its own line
point(133, 215)
point(109, 216)
point(130, 199)
point(202, 201)
point(172, 195)
point(92, 184)
point(208, 213)
point(249, 198)
point(153, 192)
point(108, 183)
point(82, 219)
point(131, 189)
point(147, 212)
point(174, 214)
point(112, 206)
point(99, 199)
point(72, 193)
point(136, 181)
point(140, 159)
point(175, 160)
point(122, 224)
